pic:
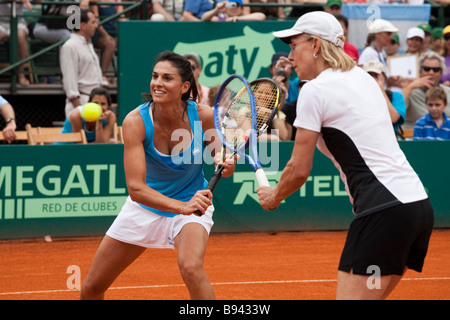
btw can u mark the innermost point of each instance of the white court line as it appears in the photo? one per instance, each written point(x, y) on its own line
point(214, 284)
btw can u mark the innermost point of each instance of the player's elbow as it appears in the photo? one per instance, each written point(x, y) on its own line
point(302, 174)
point(135, 192)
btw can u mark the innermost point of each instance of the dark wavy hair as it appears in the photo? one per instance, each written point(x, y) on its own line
point(101, 91)
point(184, 70)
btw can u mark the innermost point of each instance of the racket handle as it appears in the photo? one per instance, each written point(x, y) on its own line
point(262, 178)
point(212, 184)
point(215, 178)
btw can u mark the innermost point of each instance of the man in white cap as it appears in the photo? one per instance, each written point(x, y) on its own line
point(414, 40)
point(342, 111)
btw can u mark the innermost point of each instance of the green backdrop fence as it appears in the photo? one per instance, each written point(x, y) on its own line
point(77, 190)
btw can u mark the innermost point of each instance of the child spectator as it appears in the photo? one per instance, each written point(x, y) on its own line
point(434, 125)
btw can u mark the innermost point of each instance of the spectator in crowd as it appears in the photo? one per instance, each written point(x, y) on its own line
point(427, 36)
point(284, 122)
point(51, 27)
point(445, 79)
point(334, 7)
point(436, 40)
point(105, 37)
point(434, 125)
point(281, 71)
point(195, 9)
point(349, 49)
point(8, 114)
point(22, 33)
point(167, 10)
point(393, 46)
point(415, 41)
point(269, 12)
point(431, 66)
point(80, 66)
point(394, 100)
point(231, 11)
point(100, 130)
point(196, 65)
point(380, 35)
point(212, 94)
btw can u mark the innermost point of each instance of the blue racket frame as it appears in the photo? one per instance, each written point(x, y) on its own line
point(254, 162)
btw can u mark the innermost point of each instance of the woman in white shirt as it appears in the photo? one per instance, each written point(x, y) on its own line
point(380, 35)
point(342, 111)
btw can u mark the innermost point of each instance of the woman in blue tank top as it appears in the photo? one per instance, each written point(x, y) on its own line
point(98, 131)
point(164, 143)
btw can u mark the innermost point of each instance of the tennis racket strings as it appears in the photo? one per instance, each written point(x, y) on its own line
point(235, 114)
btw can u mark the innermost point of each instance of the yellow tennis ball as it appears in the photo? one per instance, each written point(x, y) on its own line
point(91, 111)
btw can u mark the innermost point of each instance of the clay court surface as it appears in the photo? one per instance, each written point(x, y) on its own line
point(253, 266)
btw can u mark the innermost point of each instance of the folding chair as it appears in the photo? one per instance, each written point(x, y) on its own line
point(43, 135)
point(20, 136)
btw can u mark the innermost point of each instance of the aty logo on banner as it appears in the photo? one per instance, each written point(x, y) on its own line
point(234, 55)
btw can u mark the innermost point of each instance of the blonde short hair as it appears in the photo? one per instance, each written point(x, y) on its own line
point(335, 56)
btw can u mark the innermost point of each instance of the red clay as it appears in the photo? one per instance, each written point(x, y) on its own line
point(253, 266)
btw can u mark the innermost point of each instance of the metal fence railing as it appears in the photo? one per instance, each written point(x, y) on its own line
point(439, 11)
point(13, 38)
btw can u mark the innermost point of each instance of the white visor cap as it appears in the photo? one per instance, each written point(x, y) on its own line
point(318, 23)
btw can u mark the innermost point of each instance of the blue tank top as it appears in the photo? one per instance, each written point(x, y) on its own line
point(90, 135)
point(177, 176)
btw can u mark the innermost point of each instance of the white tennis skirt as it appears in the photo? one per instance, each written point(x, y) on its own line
point(138, 226)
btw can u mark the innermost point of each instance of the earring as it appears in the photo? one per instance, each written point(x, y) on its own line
point(315, 55)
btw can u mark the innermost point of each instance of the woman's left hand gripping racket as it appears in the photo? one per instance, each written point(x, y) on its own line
point(243, 111)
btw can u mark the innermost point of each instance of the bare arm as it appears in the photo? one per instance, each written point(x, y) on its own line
point(135, 173)
point(425, 82)
point(103, 133)
point(255, 16)
point(188, 16)
point(208, 15)
point(158, 8)
point(392, 112)
point(10, 130)
point(295, 173)
point(284, 128)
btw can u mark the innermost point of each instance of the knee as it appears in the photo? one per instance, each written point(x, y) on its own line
point(190, 269)
point(90, 291)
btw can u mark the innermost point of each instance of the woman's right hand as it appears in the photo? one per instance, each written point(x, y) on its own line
point(200, 201)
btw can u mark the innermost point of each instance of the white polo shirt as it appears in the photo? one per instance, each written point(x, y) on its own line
point(350, 112)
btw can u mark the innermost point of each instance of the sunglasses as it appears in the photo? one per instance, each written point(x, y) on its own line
point(435, 69)
point(447, 37)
